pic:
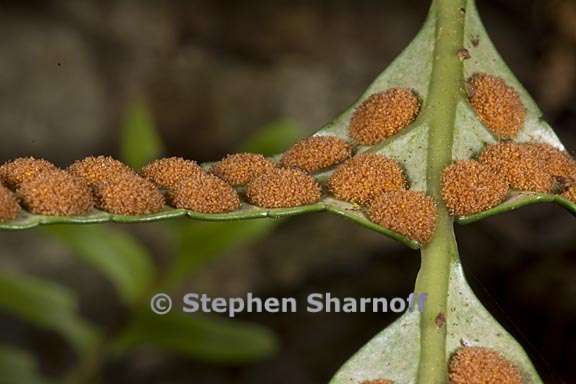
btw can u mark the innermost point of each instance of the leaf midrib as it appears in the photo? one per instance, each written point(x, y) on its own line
point(440, 113)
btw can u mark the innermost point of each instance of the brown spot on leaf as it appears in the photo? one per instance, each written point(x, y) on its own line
point(440, 320)
point(475, 41)
point(463, 54)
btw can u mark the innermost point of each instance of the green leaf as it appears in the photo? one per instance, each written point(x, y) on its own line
point(355, 214)
point(119, 256)
point(273, 138)
point(429, 65)
point(471, 324)
point(18, 367)
point(519, 200)
point(413, 69)
point(139, 141)
point(199, 243)
point(395, 352)
point(48, 306)
point(392, 354)
point(205, 338)
point(247, 211)
point(447, 129)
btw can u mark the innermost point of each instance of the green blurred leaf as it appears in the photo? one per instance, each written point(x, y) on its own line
point(198, 243)
point(18, 367)
point(206, 338)
point(273, 138)
point(46, 305)
point(118, 255)
point(139, 140)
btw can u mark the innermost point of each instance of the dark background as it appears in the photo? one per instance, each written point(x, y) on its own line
point(215, 72)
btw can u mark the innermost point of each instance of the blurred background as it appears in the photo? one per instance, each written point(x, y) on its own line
point(199, 79)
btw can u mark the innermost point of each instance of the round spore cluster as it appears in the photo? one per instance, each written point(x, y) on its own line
point(410, 213)
point(316, 153)
point(479, 365)
point(56, 193)
point(555, 162)
point(361, 178)
point(570, 193)
point(241, 168)
point(204, 193)
point(128, 194)
point(9, 207)
point(469, 187)
point(384, 114)
point(98, 169)
point(283, 188)
point(497, 104)
point(519, 165)
point(168, 172)
point(16, 172)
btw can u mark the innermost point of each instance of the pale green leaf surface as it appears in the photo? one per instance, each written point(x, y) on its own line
point(355, 214)
point(120, 257)
point(470, 324)
point(394, 353)
point(46, 305)
point(206, 338)
point(485, 58)
point(411, 69)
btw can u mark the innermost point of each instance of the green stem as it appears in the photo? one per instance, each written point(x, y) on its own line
point(437, 255)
